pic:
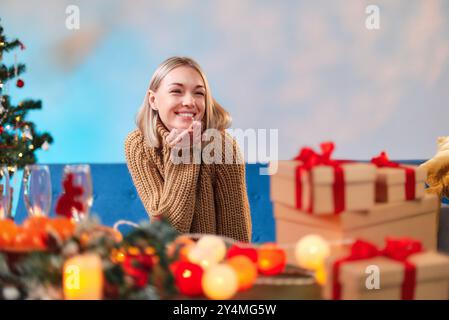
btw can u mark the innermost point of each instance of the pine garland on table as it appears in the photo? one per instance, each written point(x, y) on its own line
point(137, 267)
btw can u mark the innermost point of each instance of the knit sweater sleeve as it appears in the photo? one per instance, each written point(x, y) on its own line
point(231, 198)
point(170, 194)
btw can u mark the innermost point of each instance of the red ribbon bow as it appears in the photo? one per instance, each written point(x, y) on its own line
point(382, 161)
point(396, 249)
point(310, 159)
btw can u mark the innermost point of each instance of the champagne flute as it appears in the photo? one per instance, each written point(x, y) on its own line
point(81, 178)
point(37, 190)
point(5, 194)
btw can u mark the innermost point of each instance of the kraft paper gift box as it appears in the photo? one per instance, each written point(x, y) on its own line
point(397, 182)
point(422, 275)
point(317, 187)
point(392, 184)
point(417, 219)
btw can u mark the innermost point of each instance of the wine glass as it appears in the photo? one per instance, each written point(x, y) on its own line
point(5, 194)
point(81, 178)
point(37, 190)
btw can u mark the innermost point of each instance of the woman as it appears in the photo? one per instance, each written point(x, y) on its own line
point(196, 196)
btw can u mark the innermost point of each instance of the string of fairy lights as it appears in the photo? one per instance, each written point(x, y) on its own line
point(210, 251)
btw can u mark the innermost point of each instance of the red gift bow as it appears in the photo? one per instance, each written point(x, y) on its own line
point(396, 249)
point(310, 159)
point(382, 161)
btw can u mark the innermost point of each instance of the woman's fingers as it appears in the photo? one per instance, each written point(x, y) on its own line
point(196, 132)
point(177, 135)
point(171, 136)
point(179, 138)
point(182, 135)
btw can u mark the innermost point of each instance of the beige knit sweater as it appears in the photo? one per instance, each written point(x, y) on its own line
point(195, 198)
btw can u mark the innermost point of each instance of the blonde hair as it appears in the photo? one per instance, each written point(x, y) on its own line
point(215, 115)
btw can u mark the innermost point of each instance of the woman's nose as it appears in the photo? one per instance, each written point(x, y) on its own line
point(188, 100)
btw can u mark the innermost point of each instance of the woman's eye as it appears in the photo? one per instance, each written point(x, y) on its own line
point(200, 93)
point(175, 91)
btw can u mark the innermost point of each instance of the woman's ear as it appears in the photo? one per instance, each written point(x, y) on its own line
point(152, 99)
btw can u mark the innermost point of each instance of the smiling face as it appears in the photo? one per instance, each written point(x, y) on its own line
point(180, 98)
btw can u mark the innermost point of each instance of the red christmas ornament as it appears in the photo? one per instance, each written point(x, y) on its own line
point(1, 130)
point(20, 83)
point(68, 200)
point(188, 278)
point(236, 250)
point(139, 268)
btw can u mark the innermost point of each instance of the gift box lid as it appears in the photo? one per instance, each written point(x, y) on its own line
point(430, 265)
point(322, 174)
point(397, 176)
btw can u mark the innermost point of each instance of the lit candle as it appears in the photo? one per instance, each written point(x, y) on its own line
point(83, 278)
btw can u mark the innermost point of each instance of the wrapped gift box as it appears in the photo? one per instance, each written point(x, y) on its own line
point(429, 278)
point(318, 194)
point(391, 184)
point(417, 219)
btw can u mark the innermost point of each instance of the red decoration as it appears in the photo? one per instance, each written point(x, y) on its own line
point(383, 161)
point(68, 200)
point(188, 278)
point(310, 159)
point(271, 259)
point(1, 130)
point(396, 249)
point(139, 267)
point(236, 250)
point(20, 83)
point(22, 46)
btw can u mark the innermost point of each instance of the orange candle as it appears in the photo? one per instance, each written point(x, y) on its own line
point(83, 278)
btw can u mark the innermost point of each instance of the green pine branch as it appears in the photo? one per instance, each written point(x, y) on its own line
point(7, 73)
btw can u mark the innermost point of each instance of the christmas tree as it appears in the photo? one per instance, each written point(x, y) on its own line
point(19, 139)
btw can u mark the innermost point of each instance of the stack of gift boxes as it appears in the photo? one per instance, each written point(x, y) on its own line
point(348, 203)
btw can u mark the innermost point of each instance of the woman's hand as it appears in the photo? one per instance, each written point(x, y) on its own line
point(184, 138)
